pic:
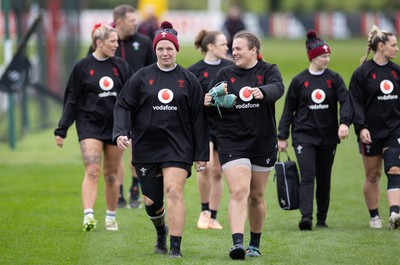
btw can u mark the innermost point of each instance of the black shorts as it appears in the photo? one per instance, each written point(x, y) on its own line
point(267, 160)
point(377, 145)
point(108, 141)
point(213, 139)
point(146, 171)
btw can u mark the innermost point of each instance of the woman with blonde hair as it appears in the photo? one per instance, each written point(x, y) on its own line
point(89, 101)
point(374, 94)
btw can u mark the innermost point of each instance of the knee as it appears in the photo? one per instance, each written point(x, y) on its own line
point(393, 176)
point(373, 177)
point(393, 182)
point(153, 208)
point(391, 161)
point(217, 172)
point(111, 173)
point(92, 172)
point(256, 198)
point(110, 179)
point(217, 175)
point(174, 192)
point(239, 193)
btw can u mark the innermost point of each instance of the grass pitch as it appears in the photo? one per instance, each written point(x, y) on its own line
point(41, 217)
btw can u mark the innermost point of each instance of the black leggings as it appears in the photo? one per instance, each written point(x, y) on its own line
point(315, 163)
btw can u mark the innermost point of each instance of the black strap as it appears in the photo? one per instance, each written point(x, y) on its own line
point(279, 155)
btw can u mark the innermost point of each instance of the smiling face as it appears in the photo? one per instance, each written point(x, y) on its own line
point(166, 54)
point(242, 55)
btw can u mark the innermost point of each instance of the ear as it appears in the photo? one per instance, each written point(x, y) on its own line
point(380, 45)
point(118, 21)
point(98, 42)
point(254, 50)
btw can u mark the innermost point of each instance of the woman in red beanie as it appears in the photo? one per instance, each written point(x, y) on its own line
point(311, 110)
point(162, 106)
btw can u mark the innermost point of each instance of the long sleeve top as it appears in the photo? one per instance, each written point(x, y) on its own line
point(311, 108)
point(90, 95)
point(374, 94)
point(164, 112)
point(249, 128)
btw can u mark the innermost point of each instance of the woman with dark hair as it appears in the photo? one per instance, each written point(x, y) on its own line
point(311, 109)
point(246, 135)
point(213, 46)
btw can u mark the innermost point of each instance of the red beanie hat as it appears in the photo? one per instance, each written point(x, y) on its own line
point(315, 46)
point(166, 32)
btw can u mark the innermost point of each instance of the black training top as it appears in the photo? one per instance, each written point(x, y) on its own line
point(311, 108)
point(374, 94)
point(90, 96)
point(136, 50)
point(205, 73)
point(249, 128)
point(164, 111)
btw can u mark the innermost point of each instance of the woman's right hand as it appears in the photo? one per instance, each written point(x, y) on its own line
point(207, 99)
point(123, 142)
point(282, 145)
point(365, 136)
point(59, 141)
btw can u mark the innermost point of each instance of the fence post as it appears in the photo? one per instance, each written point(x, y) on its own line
point(7, 59)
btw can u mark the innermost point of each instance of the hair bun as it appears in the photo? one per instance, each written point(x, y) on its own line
point(166, 25)
point(311, 34)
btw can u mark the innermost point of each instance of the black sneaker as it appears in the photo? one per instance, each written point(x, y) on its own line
point(175, 254)
point(237, 252)
point(161, 246)
point(252, 252)
point(121, 202)
point(305, 224)
point(321, 224)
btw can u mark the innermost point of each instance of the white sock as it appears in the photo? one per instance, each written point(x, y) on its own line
point(88, 212)
point(110, 214)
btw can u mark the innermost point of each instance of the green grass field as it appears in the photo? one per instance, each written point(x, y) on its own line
point(41, 217)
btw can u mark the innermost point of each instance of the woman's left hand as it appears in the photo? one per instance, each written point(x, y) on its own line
point(200, 165)
point(343, 131)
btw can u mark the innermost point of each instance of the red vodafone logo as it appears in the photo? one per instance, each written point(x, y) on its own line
point(106, 83)
point(318, 96)
point(165, 95)
point(245, 94)
point(386, 87)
